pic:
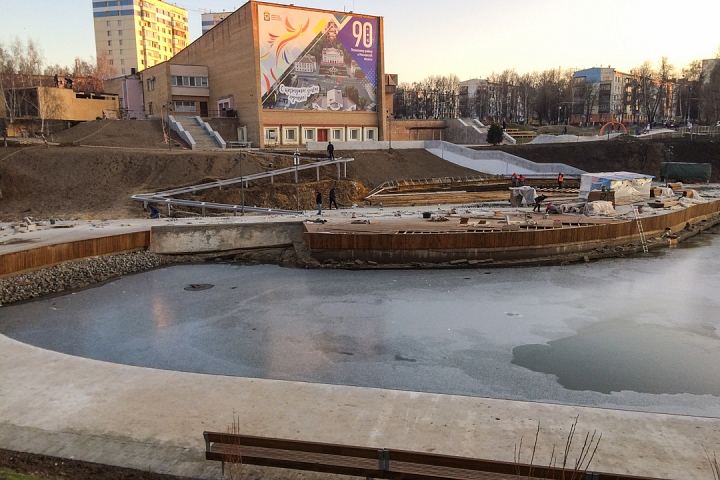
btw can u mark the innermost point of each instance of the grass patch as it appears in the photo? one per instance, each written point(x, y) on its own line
point(6, 474)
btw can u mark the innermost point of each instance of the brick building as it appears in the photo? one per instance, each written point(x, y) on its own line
point(246, 68)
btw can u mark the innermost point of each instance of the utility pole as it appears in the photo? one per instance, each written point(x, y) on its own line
point(296, 161)
point(242, 185)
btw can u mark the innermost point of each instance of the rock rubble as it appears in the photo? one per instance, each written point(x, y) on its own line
point(75, 274)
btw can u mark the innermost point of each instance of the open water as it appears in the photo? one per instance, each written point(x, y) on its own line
point(638, 333)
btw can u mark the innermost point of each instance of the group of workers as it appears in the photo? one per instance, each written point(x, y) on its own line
point(519, 181)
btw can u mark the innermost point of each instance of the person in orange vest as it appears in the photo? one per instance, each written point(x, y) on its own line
point(561, 180)
point(513, 180)
point(522, 180)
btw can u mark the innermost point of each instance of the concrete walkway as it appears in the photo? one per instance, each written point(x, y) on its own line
point(72, 407)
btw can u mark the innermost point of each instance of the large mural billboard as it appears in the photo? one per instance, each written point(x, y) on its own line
point(317, 60)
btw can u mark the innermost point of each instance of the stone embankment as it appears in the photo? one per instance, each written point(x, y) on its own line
point(76, 274)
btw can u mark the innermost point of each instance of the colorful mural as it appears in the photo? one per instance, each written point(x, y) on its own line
point(317, 60)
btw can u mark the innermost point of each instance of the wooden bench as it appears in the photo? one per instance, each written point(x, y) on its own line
point(376, 462)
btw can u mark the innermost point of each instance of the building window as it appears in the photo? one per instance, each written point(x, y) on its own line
point(354, 134)
point(184, 106)
point(119, 23)
point(108, 23)
point(179, 81)
point(109, 43)
point(271, 135)
point(370, 134)
point(309, 134)
point(122, 52)
point(109, 33)
point(110, 61)
point(120, 32)
point(109, 52)
point(290, 135)
point(122, 61)
point(337, 134)
point(120, 42)
point(123, 71)
point(151, 84)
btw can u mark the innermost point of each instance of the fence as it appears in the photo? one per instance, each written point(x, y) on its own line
point(12, 263)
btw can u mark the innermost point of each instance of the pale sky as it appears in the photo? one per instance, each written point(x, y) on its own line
point(470, 38)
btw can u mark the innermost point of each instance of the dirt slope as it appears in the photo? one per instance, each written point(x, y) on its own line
point(96, 182)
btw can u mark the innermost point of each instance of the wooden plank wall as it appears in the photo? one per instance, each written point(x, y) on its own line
point(11, 263)
point(509, 239)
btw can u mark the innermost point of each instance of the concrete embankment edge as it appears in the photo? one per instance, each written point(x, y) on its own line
point(143, 418)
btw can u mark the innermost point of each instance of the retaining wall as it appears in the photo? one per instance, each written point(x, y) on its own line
point(197, 239)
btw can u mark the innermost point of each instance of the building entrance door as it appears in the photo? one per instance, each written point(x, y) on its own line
point(322, 134)
point(203, 109)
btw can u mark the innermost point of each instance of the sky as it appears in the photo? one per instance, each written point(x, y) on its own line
point(468, 38)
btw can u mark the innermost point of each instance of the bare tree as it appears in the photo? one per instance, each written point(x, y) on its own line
point(586, 91)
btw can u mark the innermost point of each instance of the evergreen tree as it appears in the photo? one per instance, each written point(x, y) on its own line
point(494, 134)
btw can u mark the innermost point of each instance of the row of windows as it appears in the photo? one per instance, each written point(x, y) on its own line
point(180, 81)
point(184, 106)
point(110, 33)
point(112, 3)
point(290, 134)
point(112, 13)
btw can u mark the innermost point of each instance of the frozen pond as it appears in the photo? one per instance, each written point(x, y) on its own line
point(635, 333)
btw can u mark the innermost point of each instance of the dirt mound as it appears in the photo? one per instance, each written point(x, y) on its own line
point(624, 153)
point(118, 133)
point(91, 182)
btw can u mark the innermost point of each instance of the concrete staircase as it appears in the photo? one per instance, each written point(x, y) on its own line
point(204, 141)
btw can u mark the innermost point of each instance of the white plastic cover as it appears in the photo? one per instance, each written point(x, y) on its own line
point(628, 187)
point(599, 207)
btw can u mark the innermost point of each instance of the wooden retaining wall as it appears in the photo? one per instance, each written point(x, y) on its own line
point(510, 239)
point(42, 257)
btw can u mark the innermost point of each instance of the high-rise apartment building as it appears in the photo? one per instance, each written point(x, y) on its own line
point(133, 35)
point(210, 19)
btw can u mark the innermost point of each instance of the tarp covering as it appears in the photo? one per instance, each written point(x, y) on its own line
point(599, 207)
point(628, 187)
point(685, 172)
point(522, 195)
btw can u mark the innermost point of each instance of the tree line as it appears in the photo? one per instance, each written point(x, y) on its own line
point(649, 92)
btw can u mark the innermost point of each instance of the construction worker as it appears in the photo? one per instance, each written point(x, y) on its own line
point(551, 208)
point(538, 201)
point(513, 180)
point(561, 180)
point(522, 180)
point(318, 200)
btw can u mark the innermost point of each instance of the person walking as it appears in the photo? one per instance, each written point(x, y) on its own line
point(333, 200)
point(331, 151)
point(561, 180)
point(318, 200)
point(538, 202)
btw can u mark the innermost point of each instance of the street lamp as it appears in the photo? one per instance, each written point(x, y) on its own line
point(296, 161)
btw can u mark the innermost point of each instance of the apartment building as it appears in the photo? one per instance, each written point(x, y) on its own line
point(133, 35)
point(210, 19)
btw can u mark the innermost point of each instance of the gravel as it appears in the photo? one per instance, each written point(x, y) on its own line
point(75, 274)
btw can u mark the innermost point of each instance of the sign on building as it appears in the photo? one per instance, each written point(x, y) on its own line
point(317, 60)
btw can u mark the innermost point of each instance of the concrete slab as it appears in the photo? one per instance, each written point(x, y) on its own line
point(143, 418)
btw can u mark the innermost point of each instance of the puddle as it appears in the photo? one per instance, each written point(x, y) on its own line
point(614, 356)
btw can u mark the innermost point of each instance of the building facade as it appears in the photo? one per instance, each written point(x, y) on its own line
point(247, 67)
point(132, 35)
point(210, 19)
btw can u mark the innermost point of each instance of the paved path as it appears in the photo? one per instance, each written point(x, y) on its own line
point(142, 418)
